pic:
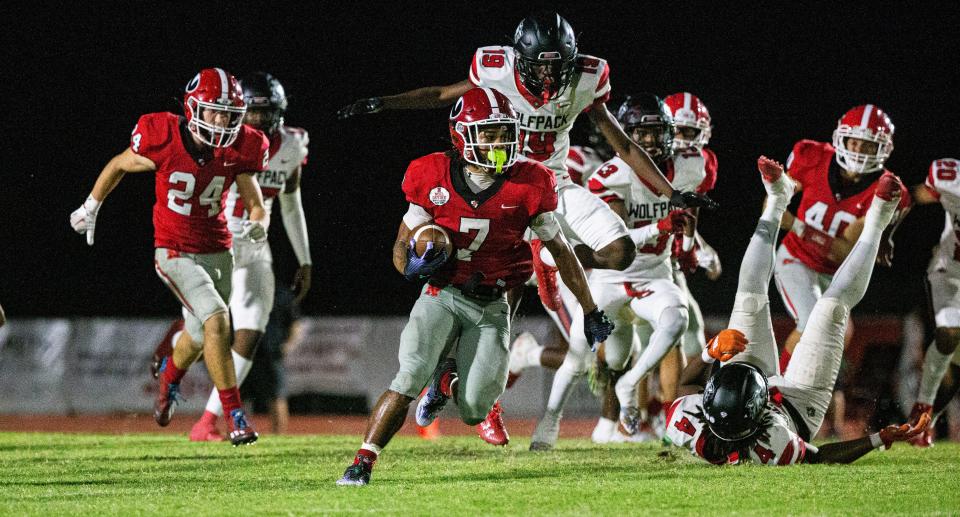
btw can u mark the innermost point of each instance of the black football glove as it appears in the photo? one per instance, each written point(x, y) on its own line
point(360, 107)
point(597, 327)
point(692, 200)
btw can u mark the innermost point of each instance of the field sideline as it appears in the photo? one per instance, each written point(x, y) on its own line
point(83, 474)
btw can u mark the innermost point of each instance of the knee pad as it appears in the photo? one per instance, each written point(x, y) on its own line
point(750, 303)
point(673, 321)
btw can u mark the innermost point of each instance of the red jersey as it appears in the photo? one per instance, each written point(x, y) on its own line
point(188, 215)
point(487, 227)
point(710, 167)
point(825, 205)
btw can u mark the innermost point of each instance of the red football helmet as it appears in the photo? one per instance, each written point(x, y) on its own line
point(482, 108)
point(217, 90)
point(869, 123)
point(689, 112)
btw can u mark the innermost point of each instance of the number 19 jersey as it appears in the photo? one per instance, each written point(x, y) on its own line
point(544, 127)
point(188, 214)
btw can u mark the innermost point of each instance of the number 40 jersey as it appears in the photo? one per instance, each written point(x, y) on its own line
point(544, 127)
point(188, 214)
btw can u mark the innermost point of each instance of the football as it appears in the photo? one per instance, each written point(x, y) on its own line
point(430, 232)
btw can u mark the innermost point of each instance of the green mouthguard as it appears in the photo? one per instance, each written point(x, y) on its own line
point(497, 157)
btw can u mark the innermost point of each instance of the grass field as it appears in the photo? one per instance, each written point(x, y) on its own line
point(59, 474)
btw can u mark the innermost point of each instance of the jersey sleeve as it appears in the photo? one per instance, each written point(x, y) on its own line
point(490, 65)
point(602, 92)
point(256, 150)
point(303, 140)
point(547, 197)
point(610, 182)
point(412, 184)
point(779, 447)
point(804, 152)
point(149, 137)
point(710, 167)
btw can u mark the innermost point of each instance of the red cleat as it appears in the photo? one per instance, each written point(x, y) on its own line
point(168, 395)
point(492, 429)
point(924, 439)
point(164, 347)
point(205, 430)
point(888, 187)
point(430, 432)
point(546, 279)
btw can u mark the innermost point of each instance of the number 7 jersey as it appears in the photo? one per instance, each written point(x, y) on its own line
point(188, 214)
point(544, 127)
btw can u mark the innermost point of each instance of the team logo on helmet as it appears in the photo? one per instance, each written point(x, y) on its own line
point(192, 85)
point(457, 108)
point(439, 196)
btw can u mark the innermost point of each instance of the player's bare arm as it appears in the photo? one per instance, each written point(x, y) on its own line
point(923, 195)
point(400, 247)
point(84, 219)
point(850, 450)
point(295, 222)
point(427, 97)
point(254, 229)
point(570, 271)
point(628, 150)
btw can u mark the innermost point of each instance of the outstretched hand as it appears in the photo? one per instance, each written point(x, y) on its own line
point(360, 107)
point(903, 432)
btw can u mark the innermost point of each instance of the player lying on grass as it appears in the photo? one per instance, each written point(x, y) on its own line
point(746, 410)
point(485, 196)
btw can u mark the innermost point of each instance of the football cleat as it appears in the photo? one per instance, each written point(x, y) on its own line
point(545, 435)
point(168, 395)
point(357, 474)
point(433, 401)
point(775, 181)
point(629, 421)
point(924, 439)
point(546, 279)
point(205, 429)
point(888, 187)
point(492, 429)
point(165, 347)
point(241, 432)
point(603, 431)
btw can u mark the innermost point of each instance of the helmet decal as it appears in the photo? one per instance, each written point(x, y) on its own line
point(457, 108)
point(192, 85)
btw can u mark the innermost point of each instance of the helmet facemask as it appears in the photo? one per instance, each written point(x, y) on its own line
point(698, 142)
point(546, 77)
point(498, 156)
point(856, 162)
point(663, 145)
point(209, 133)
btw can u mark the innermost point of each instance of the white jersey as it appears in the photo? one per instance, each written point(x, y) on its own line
point(943, 182)
point(544, 128)
point(778, 443)
point(582, 162)
point(616, 180)
point(288, 151)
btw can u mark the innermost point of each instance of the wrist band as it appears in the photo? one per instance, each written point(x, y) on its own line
point(706, 357)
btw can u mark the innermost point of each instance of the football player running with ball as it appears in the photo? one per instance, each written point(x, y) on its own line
point(550, 84)
point(485, 196)
point(195, 160)
point(746, 410)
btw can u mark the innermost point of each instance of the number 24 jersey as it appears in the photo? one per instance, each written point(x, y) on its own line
point(188, 213)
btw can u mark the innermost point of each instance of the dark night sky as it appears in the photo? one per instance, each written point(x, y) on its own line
point(769, 75)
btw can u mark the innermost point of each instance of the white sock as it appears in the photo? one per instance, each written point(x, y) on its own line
point(241, 366)
point(878, 217)
point(175, 338)
point(774, 209)
point(935, 365)
point(547, 258)
point(563, 383)
point(372, 447)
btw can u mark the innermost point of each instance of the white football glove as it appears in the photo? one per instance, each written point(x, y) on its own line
point(84, 219)
point(253, 231)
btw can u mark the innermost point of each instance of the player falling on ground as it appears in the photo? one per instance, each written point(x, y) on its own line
point(486, 196)
point(747, 411)
point(646, 289)
point(943, 283)
point(196, 159)
point(253, 279)
point(549, 84)
point(838, 182)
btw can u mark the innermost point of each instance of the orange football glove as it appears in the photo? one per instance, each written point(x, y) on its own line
point(904, 432)
point(726, 344)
